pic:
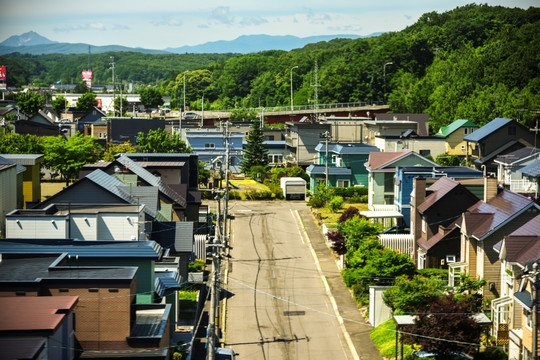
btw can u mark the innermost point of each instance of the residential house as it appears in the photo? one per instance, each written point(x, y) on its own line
point(211, 145)
point(347, 129)
point(79, 221)
point(95, 114)
point(404, 183)
point(97, 129)
point(378, 128)
point(107, 317)
point(512, 311)
point(409, 139)
point(301, 139)
point(422, 120)
point(276, 151)
point(531, 178)
point(31, 176)
point(454, 134)
point(498, 137)
point(509, 168)
point(38, 327)
point(11, 185)
point(346, 164)
point(435, 208)
point(123, 129)
point(482, 226)
point(381, 167)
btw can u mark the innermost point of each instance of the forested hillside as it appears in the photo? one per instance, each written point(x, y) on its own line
point(475, 62)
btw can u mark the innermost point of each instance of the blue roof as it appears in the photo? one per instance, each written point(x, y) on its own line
point(166, 280)
point(532, 170)
point(84, 248)
point(487, 129)
point(332, 170)
point(347, 148)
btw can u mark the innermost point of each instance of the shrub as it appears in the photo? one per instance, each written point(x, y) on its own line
point(338, 242)
point(349, 213)
point(235, 195)
point(336, 204)
point(196, 266)
point(316, 201)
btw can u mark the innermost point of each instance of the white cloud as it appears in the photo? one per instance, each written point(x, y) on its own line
point(253, 21)
point(221, 15)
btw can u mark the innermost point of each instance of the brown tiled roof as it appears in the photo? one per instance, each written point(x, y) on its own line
point(482, 217)
point(438, 237)
point(439, 189)
point(532, 227)
point(34, 313)
point(380, 159)
point(99, 164)
point(522, 249)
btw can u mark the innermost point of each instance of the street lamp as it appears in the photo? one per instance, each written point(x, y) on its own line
point(384, 76)
point(292, 101)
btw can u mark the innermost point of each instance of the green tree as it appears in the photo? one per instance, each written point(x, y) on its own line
point(81, 88)
point(59, 104)
point(151, 97)
point(68, 156)
point(242, 114)
point(120, 105)
point(412, 295)
point(258, 172)
point(160, 141)
point(30, 103)
point(255, 154)
point(447, 326)
point(204, 174)
point(87, 102)
point(12, 143)
point(118, 149)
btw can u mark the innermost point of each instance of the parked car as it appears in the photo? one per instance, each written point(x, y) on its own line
point(191, 116)
point(431, 355)
point(224, 354)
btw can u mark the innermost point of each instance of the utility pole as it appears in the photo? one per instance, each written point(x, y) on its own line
point(326, 135)
point(226, 195)
point(114, 84)
point(316, 93)
point(292, 98)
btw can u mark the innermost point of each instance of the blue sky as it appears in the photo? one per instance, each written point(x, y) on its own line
point(160, 24)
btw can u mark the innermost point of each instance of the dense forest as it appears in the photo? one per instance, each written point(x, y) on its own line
point(475, 62)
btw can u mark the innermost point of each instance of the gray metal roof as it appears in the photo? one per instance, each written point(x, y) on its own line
point(347, 148)
point(84, 249)
point(487, 129)
point(151, 179)
point(4, 161)
point(532, 170)
point(332, 170)
point(23, 159)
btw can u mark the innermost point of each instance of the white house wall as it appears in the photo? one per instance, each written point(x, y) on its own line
point(117, 227)
point(83, 227)
point(36, 227)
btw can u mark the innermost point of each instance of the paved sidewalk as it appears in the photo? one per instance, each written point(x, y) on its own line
point(353, 320)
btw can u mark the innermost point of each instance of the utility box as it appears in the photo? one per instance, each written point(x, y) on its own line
point(294, 188)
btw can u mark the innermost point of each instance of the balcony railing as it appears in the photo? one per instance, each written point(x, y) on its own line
point(455, 270)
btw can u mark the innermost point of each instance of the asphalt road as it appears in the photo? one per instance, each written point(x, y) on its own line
point(279, 305)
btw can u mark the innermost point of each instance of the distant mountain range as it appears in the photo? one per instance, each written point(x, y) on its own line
point(35, 44)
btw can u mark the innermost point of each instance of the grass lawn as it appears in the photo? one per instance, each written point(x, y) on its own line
point(384, 338)
point(329, 217)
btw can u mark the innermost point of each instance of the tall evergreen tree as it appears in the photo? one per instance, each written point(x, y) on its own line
point(254, 152)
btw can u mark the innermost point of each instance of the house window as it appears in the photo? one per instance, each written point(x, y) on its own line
point(425, 152)
point(465, 131)
point(529, 319)
point(421, 260)
point(209, 146)
point(527, 355)
point(424, 225)
point(334, 159)
point(275, 158)
point(343, 183)
point(102, 135)
point(450, 259)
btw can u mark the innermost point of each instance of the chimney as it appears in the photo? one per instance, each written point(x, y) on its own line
point(419, 184)
point(490, 188)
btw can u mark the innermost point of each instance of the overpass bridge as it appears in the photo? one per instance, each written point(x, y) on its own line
point(282, 114)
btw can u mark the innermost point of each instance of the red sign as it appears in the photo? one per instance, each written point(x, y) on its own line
point(99, 103)
point(87, 74)
point(2, 73)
